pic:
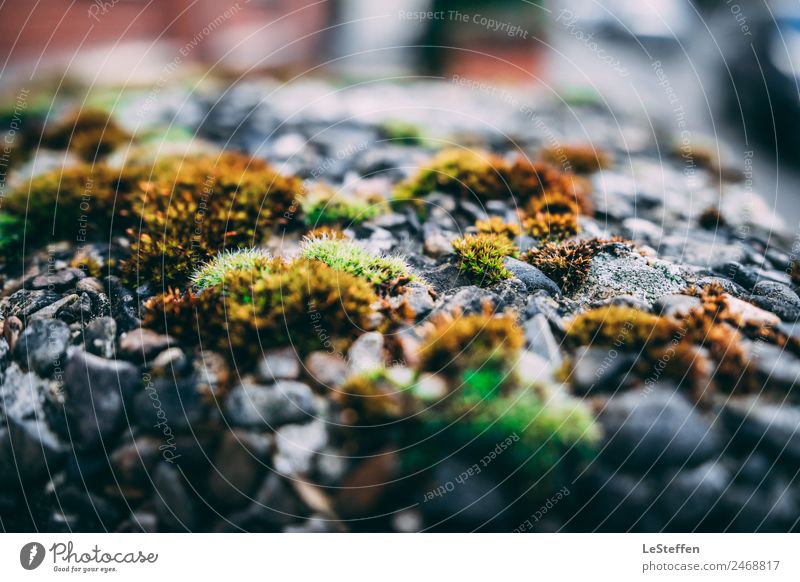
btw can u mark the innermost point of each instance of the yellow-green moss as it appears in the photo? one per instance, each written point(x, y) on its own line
point(324, 205)
point(471, 346)
point(304, 303)
point(481, 256)
point(462, 172)
point(582, 159)
point(385, 273)
point(192, 208)
point(90, 133)
point(496, 225)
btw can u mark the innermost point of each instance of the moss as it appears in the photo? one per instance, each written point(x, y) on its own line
point(496, 225)
point(89, 262)
point(553, 217)
point(567, 263)
point(304, 303)
point(464, 173)
point(478, 174)
point(371, 399)
point(324, 205)
point(533, 181)
point(12, 230)
point(461, 345)
point(620, 326)
point(192, 208)
point(79, 202)
point(330, 232)
point(525, 441)
point(213, 272)
point(90, 133)
point(386, 274)
point(402, 132)
point(481, 256)
point(711, 219)
point(582, 159)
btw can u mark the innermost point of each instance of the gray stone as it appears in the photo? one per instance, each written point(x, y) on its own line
point(366, 353)
point(631, 274)
point(600, 369)
point(22, 393)
point(297, 445)
point(239, 463)
point(777, 366)
point(63, 279)
point(676, 305)
point(326, 369)
point(52, 310)
point(532, 277)
point(539, 338)
point(269, 407)
point(29, 450)
point(282, 363)
point(419, 299)
point(100, 335)
point(659, 428)
point(96, 389)
point(777, 291)
point(175, 509)
point(42, 346)
point(688, 498)
point(772, 427)
point(169, 406)
point(142, 345)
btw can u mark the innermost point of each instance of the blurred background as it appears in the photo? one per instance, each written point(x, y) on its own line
point(724, 69)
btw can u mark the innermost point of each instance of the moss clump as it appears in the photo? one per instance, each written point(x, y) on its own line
point(478, 349)
point(535, 444)
point(464, 173)
point(553, 217)
point(78, 203)
point(481, 256)
point(304, 303)
point(192, 208)
point(213, 272)
point(621, 326)
point(533, 181)
point(90, 133)
point(403, 132)
point(371, 398)
point(12, 230)
point(567, 263)
point(582, 159)
point(386, 274)
point(324, 205)
point(327, 232)
point(496, 225)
